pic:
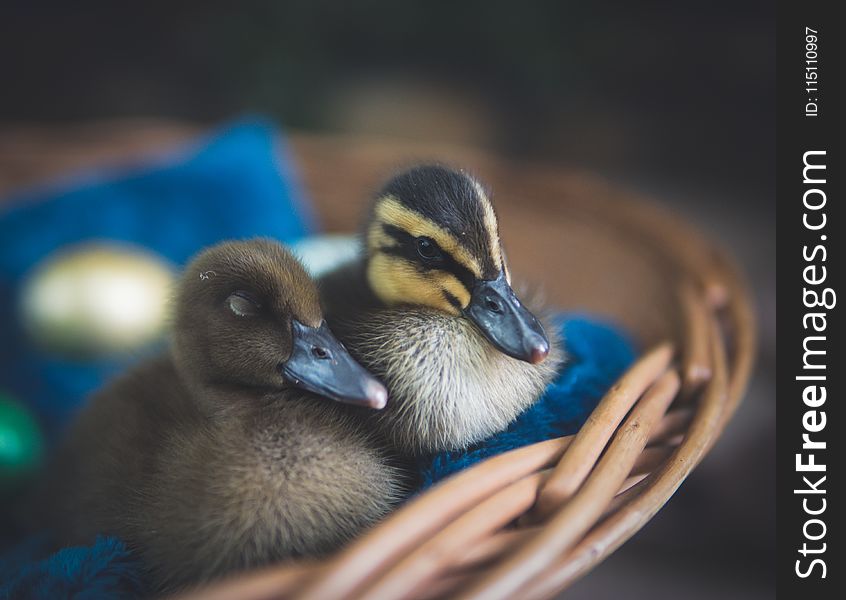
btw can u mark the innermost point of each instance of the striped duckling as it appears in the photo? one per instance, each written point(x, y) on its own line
point(429, 309)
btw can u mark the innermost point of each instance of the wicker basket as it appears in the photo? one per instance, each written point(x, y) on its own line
point(527, 523)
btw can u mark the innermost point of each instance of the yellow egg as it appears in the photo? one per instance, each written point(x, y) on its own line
point(97, 299)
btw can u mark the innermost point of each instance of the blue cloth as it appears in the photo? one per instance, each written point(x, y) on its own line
point(597, 354)
point(104, 570)
point(238, 184)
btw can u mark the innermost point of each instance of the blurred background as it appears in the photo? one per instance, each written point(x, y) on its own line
point(672, 100)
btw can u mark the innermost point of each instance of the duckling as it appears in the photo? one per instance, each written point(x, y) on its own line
point(429, 309)
point(220, 454)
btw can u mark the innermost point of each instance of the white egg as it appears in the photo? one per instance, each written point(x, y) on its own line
point(322, 253)
point(97, 299)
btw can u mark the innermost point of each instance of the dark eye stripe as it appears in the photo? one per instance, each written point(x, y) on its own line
point(451, 299)
point(450, 199)
point(406, 248)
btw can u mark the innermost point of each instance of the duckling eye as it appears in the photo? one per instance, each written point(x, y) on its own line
point(493, 305)
point(428, 249)
point(242, 304)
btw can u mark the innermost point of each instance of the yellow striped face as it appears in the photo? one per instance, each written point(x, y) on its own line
point(420, 259)
point(433, 240)
point(396, 281)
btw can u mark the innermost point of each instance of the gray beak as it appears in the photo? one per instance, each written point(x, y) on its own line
point(319, 363)
point(508, 325)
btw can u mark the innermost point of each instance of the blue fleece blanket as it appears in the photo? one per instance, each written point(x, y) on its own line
point(103, 570)
point(232, 186)
point(236, 184)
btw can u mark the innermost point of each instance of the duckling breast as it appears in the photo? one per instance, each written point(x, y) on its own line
point(296, 479)
point(448, 386)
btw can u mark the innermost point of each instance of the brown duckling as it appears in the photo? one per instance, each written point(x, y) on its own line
point(430, 310)
point(221, 453)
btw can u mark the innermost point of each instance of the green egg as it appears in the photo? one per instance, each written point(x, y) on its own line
point(21, 443)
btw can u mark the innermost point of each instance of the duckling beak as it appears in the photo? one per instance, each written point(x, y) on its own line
point(319, 363)
point(508, 325)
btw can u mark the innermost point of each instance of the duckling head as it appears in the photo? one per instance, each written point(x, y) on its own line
point(248, 314)
point(432, 240)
